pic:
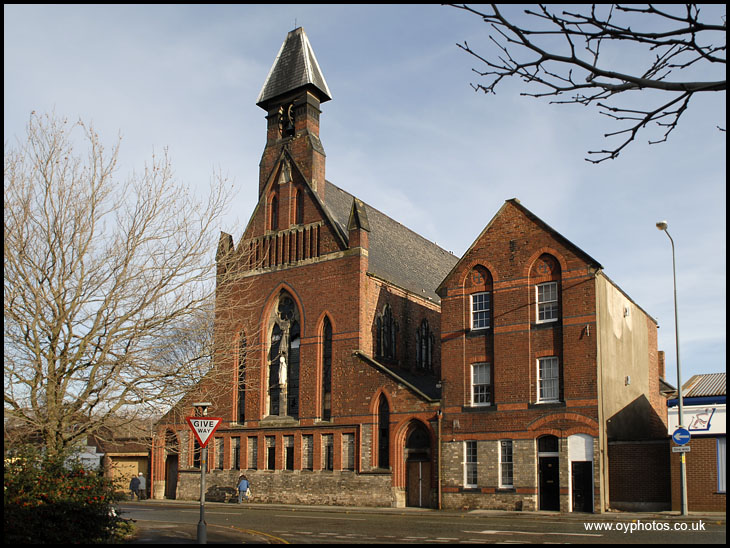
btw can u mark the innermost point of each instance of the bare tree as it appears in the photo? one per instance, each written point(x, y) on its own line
point(109, 287)
point(665, 41)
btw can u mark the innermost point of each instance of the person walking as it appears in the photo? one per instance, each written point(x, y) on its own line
point(243, 488)
point(142, 487)
point(134, 487)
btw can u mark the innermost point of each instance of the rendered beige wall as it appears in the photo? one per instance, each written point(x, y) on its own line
point(623, 349)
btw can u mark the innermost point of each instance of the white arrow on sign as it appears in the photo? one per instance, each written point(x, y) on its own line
point(203, 427)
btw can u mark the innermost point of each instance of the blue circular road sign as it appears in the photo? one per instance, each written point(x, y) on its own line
point(681, 436)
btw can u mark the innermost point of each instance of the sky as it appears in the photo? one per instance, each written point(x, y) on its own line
point(405, 132)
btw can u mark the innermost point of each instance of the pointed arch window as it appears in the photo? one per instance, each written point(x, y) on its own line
point(383, 433)
point(424, 347)
point(386, 330)
point(299, 208)
point(274, 214)
point(327, 370)
point(284, 358)
point(241, 377)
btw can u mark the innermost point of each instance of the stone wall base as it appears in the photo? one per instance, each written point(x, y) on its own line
point(341, 488)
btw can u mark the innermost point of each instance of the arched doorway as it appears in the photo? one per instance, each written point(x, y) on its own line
point(548, 456)
point(418, 466)
point(172, 453)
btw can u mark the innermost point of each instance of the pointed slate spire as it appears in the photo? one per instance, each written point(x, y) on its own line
point(295, 67)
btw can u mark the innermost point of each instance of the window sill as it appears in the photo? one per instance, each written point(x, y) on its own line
point(479, 409)
point(546, 405)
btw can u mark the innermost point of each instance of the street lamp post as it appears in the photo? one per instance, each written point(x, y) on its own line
point(662, 225)
point(201, 410)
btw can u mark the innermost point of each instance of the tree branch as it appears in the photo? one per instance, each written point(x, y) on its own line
point(528, 51)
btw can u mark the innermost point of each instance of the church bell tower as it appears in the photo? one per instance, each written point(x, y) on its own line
point(292, 94)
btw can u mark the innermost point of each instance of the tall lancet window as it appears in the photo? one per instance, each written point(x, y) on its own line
point(387, 327)
point(424, 347)
point(327, 370)
point(299, 214)
point(241, 377)
point(383, 433)
point(284, 358)
point(274, 214)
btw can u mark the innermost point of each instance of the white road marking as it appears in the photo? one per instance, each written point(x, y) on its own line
point(531, 533)
point(320, 517)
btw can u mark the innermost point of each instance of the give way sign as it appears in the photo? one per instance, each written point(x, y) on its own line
point(203, 428)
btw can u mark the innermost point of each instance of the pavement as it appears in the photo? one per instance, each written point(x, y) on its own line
point(154, 532)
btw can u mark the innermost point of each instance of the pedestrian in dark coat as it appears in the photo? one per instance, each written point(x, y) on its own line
point(134, 487)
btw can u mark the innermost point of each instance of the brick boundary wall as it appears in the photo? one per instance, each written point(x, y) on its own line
point(639, 475)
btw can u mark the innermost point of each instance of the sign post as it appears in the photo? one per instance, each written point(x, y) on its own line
point(203, 427)
point(681, 436)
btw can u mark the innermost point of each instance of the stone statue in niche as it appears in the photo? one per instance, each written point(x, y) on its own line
point(284, 324)
point(282, 370)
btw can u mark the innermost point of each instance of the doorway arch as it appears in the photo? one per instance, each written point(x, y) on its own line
point(548, 459)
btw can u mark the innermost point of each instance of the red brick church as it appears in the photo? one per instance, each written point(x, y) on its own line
point(375, 368)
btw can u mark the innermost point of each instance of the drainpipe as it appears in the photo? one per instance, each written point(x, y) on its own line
point(602, 437)
point(439, 416)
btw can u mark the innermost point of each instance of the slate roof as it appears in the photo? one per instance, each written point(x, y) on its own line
point(295, 66)
point(424, 386)
point(397, 254)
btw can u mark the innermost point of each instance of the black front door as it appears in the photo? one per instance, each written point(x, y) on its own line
point(582, 478)
point(549, 483)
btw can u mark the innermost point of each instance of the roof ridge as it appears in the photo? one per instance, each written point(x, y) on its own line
point(375, 209)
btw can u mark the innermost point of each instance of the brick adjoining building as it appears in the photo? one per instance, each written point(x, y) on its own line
point(706, 462)
point(378, 369)
point(544, 360)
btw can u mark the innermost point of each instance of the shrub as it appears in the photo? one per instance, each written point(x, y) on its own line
point(51, 501)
